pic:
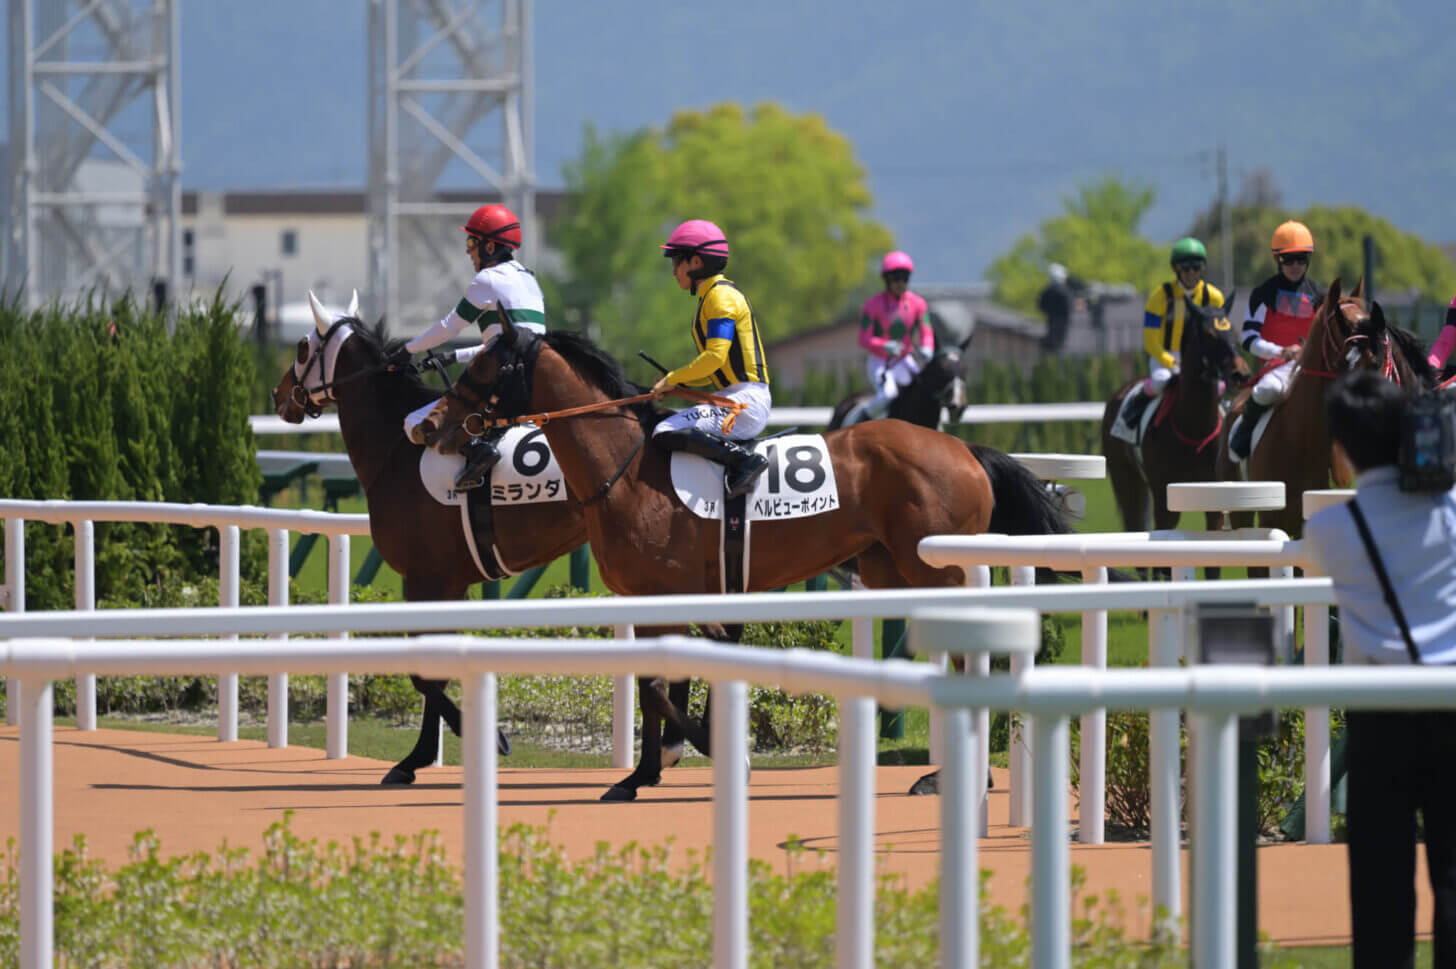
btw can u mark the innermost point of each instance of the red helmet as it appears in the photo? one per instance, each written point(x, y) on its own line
point(495, 223)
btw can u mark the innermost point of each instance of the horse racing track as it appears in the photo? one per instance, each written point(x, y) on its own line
point(196, 793)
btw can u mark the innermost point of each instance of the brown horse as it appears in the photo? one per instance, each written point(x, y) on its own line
point(897, 483)
point(345, 363)
point(1182, 442)
point(1295, 447)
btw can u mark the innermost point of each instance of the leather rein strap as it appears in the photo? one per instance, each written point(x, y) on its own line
point(477, 423)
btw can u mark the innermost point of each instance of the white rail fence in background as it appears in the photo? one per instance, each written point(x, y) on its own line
point(780, 417)
point(1216, 696)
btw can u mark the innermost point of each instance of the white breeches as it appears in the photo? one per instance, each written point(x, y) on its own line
point(1158, 377)
point(708, 417)
point(888, 378)
point(1271, 387)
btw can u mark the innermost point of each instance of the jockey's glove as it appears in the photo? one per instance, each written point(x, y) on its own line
point(399, 358)
point(892, 348)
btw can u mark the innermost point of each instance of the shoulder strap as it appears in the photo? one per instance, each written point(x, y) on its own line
point(1204, 284)
point(1390, 599)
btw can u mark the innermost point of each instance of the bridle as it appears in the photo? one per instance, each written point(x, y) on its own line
point(1348, 351)
point(313, 399)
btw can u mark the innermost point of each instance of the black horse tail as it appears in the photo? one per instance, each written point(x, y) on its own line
point(1024, 505)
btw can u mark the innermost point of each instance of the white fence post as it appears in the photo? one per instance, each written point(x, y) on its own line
point(855, 908)
point(1092, 790)
point(37, 828)
point(962, 819)
point(15, 602)
point(1021, 730)
point(336, 703)
point(1164, 776)
point(85, 602)
point(730, 824)
point(624, 711)
point(482, 877)
point(229, 548)
point(1216, 873)
point(278, 596)
point(1051, 912)
point(1317, 732)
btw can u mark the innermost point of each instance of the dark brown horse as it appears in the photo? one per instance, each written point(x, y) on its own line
point(1181, 444)
point(897, 483)
point(1295, 447)
point(937, 388)
point(344, 363)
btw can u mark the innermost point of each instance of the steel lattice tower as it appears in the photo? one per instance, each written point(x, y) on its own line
point(439, 72)
point(94, 194)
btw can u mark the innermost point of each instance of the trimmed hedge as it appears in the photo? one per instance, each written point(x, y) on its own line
point(99, 401)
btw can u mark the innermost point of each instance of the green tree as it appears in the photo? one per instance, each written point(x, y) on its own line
point(786, 189)
point(1095, 238)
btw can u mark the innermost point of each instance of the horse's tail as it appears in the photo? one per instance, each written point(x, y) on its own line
point(1024, 505)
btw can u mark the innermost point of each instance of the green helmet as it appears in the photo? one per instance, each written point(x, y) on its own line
point(1188, 249)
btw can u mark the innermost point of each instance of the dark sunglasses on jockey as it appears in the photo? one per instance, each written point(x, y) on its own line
point(898, 276)
point(1187, 264)
point(1294, 259)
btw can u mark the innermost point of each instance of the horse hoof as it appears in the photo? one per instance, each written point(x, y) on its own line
point(929, 784)
point(396, 776)
point(619, 793)
point(502, 743)
point(671, 754)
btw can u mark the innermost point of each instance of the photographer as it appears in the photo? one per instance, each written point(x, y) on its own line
point(1392, 555)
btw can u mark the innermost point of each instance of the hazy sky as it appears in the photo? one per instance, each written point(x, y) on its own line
point(973, 119)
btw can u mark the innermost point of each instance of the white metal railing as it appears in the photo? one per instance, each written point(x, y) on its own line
point(1215, 695)
point(1181, 551)
point(263, 424)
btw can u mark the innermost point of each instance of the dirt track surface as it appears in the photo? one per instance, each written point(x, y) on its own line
point(196, 793)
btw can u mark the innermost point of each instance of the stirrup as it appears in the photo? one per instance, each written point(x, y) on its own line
point(481, 455)
point(739, 477)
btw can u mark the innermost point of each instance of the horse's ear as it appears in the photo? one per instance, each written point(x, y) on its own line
point(354, 305)
point(1359, 291)
point(1231, 300)
point(321, 319)
point(1332, 297)
point(1377, 315)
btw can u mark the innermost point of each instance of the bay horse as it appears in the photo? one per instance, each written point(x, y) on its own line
point(1181, 443)
point(897, 483)
point(344, 363)
point(938, 387)
point(1295, 447)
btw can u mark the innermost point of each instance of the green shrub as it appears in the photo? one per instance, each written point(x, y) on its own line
point(375, 903)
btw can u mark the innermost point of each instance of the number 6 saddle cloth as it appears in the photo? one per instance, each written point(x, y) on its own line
point(526, 473)
point(798, 483)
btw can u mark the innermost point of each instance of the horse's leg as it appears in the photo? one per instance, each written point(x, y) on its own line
point(1213, 521)
point(649, 765)
point(673, 734)
point(437, 703)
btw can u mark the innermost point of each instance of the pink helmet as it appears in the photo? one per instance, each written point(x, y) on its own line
point(897, 260)
point(697, 237)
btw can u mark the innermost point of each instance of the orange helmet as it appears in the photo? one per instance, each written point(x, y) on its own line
point(1292, 237)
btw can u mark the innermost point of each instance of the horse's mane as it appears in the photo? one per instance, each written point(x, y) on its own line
point(406, 385)
point(1413, 351)
point(599, 368)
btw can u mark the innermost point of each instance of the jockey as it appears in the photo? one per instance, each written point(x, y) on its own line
point(1281, 309)
point(730, 359)
point(502, 289)
point(1441, 349)
point(894, 327)
point(1163, 319)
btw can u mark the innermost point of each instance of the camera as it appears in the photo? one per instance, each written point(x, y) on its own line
point(1427, 458)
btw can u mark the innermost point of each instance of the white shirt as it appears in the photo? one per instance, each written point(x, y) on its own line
point(1416, 537)
point(508, 289)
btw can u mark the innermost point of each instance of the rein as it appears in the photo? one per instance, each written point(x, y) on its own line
point(482, 423)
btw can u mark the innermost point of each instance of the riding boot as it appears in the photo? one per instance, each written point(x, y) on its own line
point(481, 454)
point(1243, 436)
point(742, 466)
point(1125, 427)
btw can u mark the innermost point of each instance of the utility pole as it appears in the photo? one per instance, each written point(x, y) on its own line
point(1225, 228)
